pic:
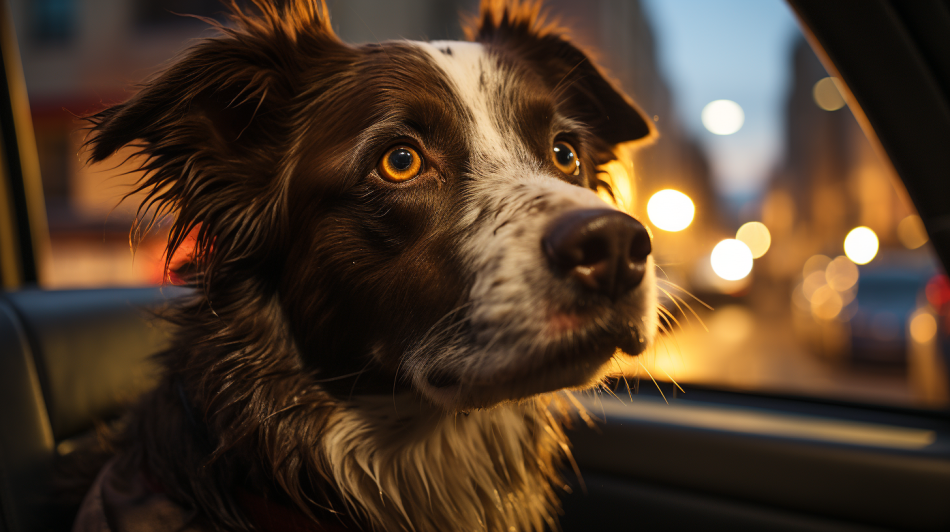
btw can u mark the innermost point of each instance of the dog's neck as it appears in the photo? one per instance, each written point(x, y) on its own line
point(389, 462)
point(399, 460)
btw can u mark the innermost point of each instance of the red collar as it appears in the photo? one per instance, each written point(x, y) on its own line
point(269, 516)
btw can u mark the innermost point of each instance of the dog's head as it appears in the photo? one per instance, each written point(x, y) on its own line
point(417, 213)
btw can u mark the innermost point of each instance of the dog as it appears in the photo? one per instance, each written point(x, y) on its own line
point(400, 259)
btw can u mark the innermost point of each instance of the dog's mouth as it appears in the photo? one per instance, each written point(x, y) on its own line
point(575, 358)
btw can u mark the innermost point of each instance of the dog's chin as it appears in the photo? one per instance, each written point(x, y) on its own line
point(572, 366)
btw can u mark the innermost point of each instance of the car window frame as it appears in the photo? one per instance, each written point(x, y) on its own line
point(24, 234)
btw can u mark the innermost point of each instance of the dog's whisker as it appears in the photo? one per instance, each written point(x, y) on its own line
point(623, 376)
point(673, 380)
point(654, 382)
point(677, 300)
point(677, 349)
point(610, 392)
point(667, 311)
point(693, 311)
point(687, 292)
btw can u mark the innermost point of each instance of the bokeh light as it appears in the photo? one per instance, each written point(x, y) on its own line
point(826, 303)
point(731, 259)
point(861, 245)
point(723, 117)
point(813, 281)
point(938, 292)
point(827, 94)
point(671, 210)
point(847, 296)
point(756, 236)
point(841, 274)
point(923, 327)
point(911, 232)
point(705, 279)
point(815, 263)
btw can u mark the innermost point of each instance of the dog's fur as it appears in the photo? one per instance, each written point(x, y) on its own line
point(373, 353)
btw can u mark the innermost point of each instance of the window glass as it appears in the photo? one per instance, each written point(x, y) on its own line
point(791, 259)
point(804, 241)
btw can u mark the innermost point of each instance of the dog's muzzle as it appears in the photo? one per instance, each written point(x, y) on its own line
point(603, 249)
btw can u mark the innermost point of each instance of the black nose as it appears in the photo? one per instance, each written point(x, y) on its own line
point(604, 249)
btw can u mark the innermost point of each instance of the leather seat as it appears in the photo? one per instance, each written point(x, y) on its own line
point(67, 360)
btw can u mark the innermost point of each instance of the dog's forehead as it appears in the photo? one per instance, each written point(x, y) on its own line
point(487, 88)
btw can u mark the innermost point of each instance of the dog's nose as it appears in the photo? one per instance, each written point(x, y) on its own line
point(604, 249)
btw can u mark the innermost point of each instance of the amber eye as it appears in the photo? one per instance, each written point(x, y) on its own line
point(565, 158)
point(401, 163)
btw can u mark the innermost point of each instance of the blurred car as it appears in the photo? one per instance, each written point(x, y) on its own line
point(887, 298)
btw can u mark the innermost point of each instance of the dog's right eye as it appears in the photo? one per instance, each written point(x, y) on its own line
point(565, 158)
point(401, 163)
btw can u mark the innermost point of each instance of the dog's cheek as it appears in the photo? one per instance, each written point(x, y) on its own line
point(375, 274)
point(417, 288)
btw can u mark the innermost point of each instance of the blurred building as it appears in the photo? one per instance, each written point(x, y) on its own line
point(79, 56)
point(831, 179)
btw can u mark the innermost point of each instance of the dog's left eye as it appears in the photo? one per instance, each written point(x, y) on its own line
point(565, 158)
point(401, 163)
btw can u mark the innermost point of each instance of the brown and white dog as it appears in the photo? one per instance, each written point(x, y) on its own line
point(400, 257)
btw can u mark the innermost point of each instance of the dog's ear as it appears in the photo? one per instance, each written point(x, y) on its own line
point(520, 26)
point(211, 129)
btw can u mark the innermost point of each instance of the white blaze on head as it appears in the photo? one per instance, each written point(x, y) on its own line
point(475, 77)
point(514, 199)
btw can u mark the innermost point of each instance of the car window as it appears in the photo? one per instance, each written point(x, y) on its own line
point(790, 259)
point(815, 261)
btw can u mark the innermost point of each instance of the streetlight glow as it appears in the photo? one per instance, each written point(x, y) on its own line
point(755, 235)
point(731, 259)
point(827, 94)
point(826, 303)
point(861, 245)
point(841, 274)
point(911, 232)
point(923, 327)
point(723, 117)
point(671, 210)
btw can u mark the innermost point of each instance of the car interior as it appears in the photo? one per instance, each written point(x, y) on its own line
point(710, 459)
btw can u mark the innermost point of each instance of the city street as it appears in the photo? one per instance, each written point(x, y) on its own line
point(745, 350)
